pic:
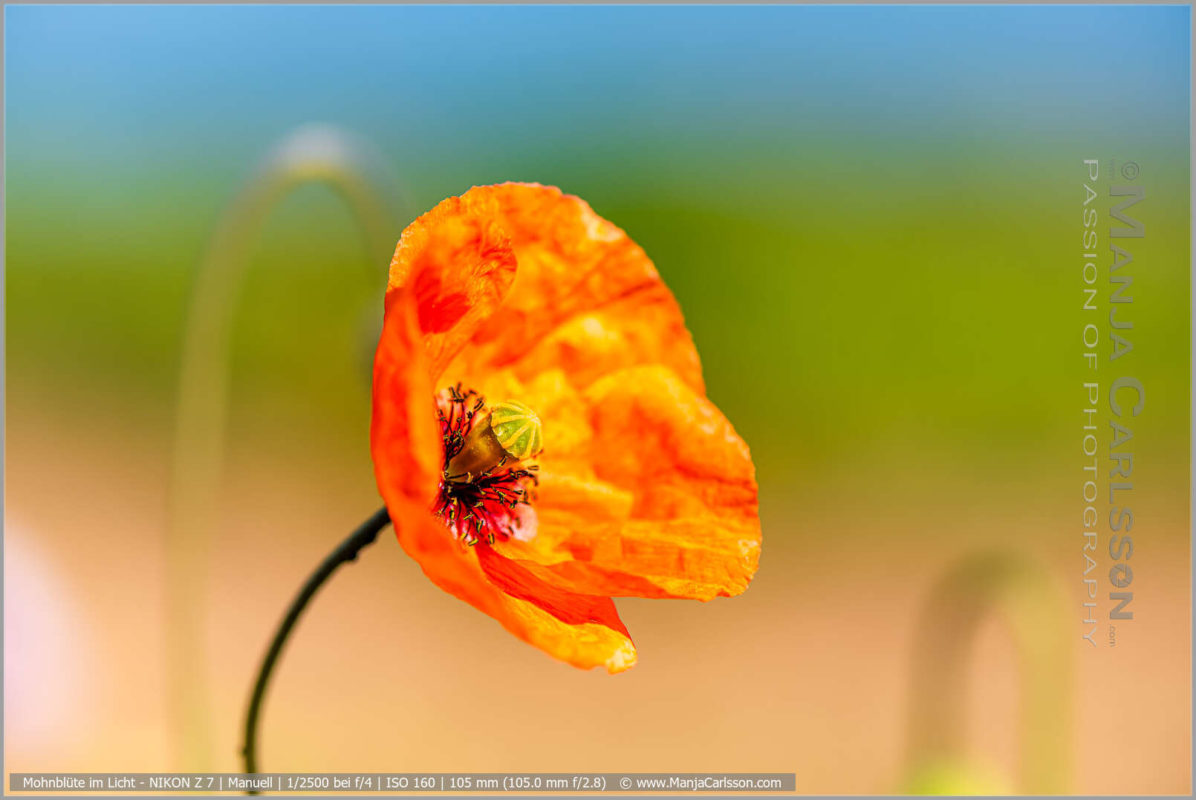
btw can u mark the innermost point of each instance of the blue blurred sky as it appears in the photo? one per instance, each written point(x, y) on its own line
point(139, 84)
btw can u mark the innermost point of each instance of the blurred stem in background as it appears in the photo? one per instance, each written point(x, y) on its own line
point(1024, 595)
point(310, 154)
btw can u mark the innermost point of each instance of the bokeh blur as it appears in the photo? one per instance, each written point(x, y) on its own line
point(871, 218)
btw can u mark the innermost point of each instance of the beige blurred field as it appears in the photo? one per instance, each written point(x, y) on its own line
point(808, 672)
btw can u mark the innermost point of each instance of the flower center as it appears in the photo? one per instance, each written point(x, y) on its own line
point(486, 486)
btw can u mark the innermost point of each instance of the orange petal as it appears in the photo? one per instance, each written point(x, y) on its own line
point(574, 609)
point(407, 451)
point(457, 263)
point(404, 432)
point(669, 508)
point(583, 631)
point(584, 298)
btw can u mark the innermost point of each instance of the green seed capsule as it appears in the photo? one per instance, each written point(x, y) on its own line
point(509, 435)
point(517, 429)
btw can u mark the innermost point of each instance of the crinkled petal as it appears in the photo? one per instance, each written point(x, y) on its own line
point(654, 495)
point(457, 263)
point(585, 298)
point(579, 630)
point(404, 432)
point(405, 442)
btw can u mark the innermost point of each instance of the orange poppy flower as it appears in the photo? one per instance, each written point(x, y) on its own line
point(514, 311)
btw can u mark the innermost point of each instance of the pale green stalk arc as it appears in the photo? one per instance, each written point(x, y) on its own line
point(1024, 595)
point(311, 154)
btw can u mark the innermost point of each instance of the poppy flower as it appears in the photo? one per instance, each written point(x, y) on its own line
point(540, 432)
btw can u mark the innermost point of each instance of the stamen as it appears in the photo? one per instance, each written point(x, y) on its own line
point(510, 433)
point(481, 492)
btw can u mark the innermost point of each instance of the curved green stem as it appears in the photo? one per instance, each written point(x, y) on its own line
point(311, 154)
point(346, 551)
point(1024, 594)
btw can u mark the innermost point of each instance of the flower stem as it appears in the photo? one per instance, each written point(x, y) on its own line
point(346, 551)
point(362, 178)
point(1022, 593)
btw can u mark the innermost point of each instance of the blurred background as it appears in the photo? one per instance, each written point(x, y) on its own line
point(871, 217)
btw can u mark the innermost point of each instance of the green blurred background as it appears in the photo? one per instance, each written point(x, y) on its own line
point(871, 218)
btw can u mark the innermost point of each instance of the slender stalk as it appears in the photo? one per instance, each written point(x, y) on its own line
point(346, 551)
point(1024, 594)
point(362, 178)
